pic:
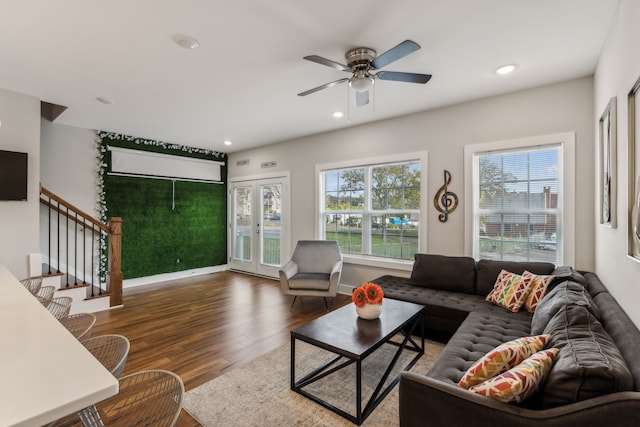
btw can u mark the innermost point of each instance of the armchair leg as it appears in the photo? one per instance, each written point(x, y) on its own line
point(325, 303)
point(294, 301)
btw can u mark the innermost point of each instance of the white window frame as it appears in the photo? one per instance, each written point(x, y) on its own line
point(566, 188)
point(372, 260)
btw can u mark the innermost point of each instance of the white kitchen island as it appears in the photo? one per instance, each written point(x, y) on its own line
point(45, 373)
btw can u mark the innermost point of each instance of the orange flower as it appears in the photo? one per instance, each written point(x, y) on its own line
point(359, 297)
point(374, 293)
point(367, 293)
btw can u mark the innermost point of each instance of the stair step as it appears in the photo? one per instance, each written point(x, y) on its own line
point(66, 288)
point(104, 295)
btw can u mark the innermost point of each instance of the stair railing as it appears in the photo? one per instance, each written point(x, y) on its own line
point(83, 250)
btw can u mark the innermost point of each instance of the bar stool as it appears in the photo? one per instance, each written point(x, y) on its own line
point(110, 350)
point(33, 284)
point(60, 307)
point(79, 324)
point(45, 294)
point(147, 398)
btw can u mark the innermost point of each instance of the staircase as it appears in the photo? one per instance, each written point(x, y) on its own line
point(80, 255)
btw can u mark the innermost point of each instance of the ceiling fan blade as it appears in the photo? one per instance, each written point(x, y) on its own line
point(324, 86)
point(329, 63)
point(362, 98)
point(395, 53)
point(404, 77)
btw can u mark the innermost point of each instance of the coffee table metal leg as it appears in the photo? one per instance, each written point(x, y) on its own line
point(293, 362)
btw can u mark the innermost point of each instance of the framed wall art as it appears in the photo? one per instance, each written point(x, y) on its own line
point(607, 172)
point(634, 171)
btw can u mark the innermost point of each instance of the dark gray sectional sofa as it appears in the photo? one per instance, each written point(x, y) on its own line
point(595, 379)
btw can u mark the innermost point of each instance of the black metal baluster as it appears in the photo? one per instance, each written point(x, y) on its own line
point(75, 250)
point(58, 242)
point(102, 271)
point(93, 257)
point(67, 246)
point(84, 251)
point(49, 228)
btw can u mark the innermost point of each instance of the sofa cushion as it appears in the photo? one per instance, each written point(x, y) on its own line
point(621, 329)
point(588, 364)
point(449, 273)
point(316, 281)
point(444, 310)
point(567, 293)
point(488, 270)
point(501, 359)
point(509, 291)
point(537, 289)
point(563, 273)
point(480, 333)
point(520, 382)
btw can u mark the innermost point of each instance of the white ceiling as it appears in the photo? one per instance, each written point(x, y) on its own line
point(241, 83)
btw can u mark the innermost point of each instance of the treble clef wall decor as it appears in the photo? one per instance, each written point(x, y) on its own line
point(445, 201)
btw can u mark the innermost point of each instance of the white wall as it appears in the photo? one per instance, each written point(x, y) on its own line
point(562, 107)
point(68, 166)
point(20, 131)
point(617, 70)
point(68, 169)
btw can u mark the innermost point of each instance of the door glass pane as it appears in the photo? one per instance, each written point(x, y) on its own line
point(242, 225)
point(271, 224)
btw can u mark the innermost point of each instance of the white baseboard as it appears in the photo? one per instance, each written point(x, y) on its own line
point(156, 278)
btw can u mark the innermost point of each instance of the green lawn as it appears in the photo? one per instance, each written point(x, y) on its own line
point(390, 246)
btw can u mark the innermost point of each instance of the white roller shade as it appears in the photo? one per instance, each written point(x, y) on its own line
point(156, 165)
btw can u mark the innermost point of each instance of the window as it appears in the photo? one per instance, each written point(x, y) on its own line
point(372, 209)
point(520, 199)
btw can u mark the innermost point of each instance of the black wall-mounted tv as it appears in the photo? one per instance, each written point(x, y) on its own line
point(13, 175)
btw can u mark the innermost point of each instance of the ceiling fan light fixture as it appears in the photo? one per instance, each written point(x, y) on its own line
point(105, 100)
point(186, 42)
point(361, 84)
point(506, 69)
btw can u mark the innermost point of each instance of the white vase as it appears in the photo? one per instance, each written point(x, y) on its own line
point(369, 311)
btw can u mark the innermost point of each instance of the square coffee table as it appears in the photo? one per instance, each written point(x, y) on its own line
point(352, 339)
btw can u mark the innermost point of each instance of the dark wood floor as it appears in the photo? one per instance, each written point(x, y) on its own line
point(204, 326)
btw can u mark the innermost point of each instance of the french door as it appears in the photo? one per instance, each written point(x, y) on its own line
point(259, 231)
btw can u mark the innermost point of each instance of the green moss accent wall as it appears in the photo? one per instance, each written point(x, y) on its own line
point(163, 231)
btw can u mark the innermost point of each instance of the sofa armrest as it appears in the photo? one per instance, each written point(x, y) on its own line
point(424, 400)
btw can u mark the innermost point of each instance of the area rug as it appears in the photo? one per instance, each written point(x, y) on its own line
point(259, 394)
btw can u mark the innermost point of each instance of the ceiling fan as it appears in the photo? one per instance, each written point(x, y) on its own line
point(363, 63)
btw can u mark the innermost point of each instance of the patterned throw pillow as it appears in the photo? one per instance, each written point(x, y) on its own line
point(509, 291)
point(519, 382)
point(537, 289)
point(502, 358)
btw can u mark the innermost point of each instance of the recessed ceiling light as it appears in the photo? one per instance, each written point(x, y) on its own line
point(338, 114)
point(506, 69)
point(227, 142)
point(186, 42)
point(105, 101)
